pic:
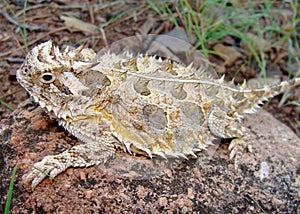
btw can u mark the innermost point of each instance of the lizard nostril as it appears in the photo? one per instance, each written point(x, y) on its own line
point(25, 70)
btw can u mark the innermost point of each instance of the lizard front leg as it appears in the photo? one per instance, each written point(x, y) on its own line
point(83, 155)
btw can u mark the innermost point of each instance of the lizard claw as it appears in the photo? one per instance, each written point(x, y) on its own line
point(49, 166)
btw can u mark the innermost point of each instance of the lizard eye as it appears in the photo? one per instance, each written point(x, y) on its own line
point(47, 78)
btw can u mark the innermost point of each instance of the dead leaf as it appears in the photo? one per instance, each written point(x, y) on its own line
point(259, 43)
point(147, 26)
point(228, 53)
point(4, 37)
point(86, 27)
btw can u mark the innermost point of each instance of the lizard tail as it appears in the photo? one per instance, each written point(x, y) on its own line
point(250, 99)
point(274, 90)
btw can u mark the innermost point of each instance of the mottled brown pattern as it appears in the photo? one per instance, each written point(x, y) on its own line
point(142, 104)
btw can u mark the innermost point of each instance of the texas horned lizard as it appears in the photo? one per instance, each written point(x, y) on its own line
point(142, 104)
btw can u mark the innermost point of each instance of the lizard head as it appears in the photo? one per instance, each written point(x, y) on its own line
point(51, 76)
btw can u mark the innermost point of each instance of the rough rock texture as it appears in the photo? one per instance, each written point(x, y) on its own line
point(268, 179)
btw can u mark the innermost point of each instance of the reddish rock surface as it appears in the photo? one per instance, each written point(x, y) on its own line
point(268, 180)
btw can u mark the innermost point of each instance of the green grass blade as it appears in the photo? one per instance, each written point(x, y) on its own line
point(6, 105)
point(10, 189)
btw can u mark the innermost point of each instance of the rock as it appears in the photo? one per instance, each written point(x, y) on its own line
point(267, 181)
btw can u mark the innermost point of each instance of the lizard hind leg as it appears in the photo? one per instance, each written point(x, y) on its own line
point(224, 126)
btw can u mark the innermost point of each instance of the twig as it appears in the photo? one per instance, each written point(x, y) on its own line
point(14, 22)
point(256, 202)
point(36, 40)
point(104, 37)
point(11, 93)
point(15, 59)
point(91, 12)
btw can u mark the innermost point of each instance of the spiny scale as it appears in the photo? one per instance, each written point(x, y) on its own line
point(142, 104)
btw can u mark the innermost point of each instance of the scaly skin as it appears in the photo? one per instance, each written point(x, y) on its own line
point(142, 104)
